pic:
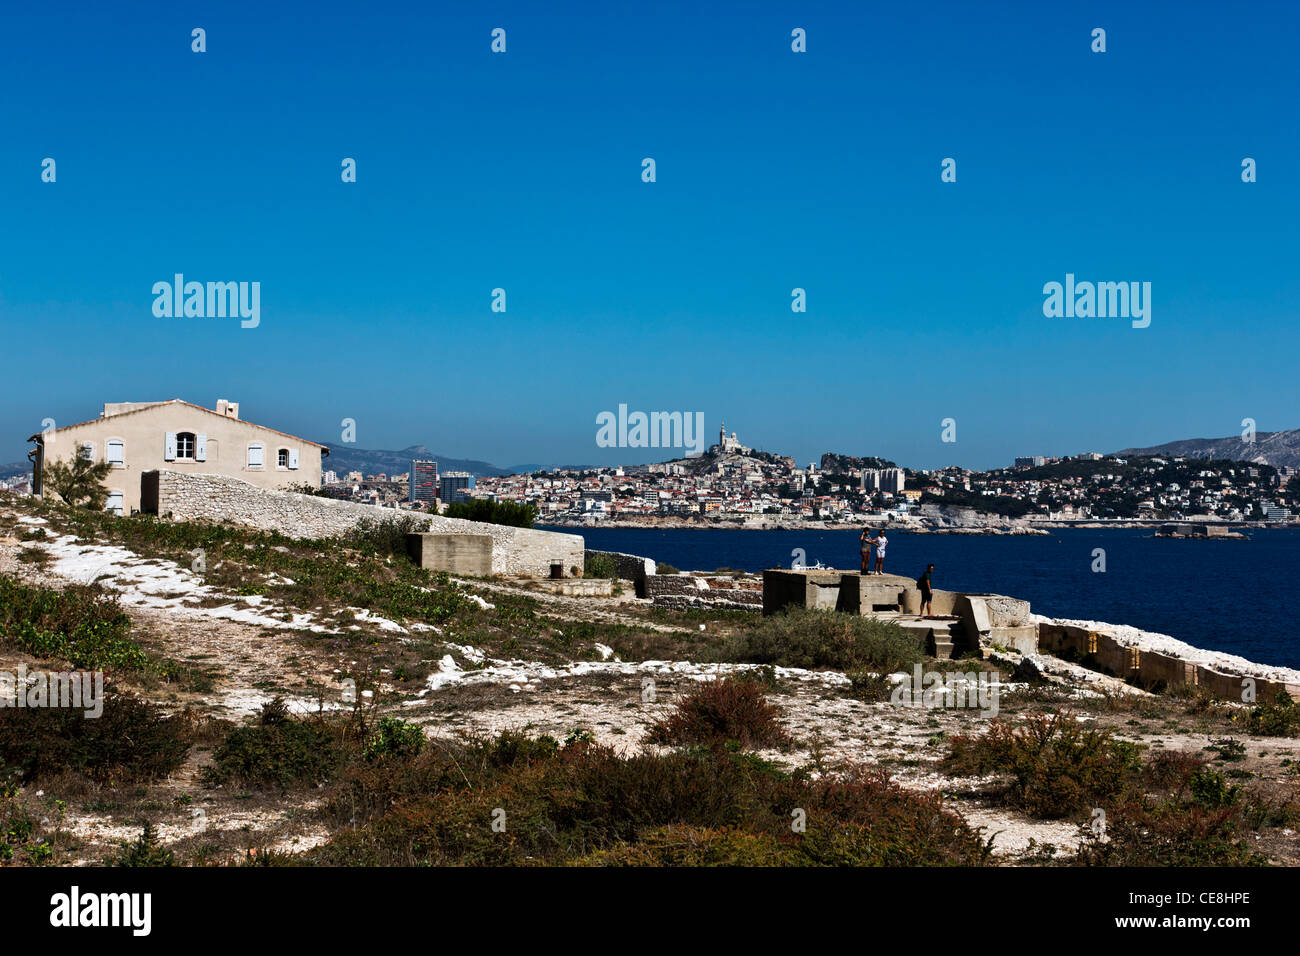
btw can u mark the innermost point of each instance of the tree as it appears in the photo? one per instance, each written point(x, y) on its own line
point(78, 481)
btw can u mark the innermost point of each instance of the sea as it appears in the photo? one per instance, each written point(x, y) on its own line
point(1239, 597)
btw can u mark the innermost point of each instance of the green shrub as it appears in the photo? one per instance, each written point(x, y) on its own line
point(663, 567)
point(718, 711)
point(600, 566)
point(394, 738)
point(383, 536)
point(494, 512)
point(824, 639)
point(585, 804)
point(1057, 765)
point(130, 741)
point(145, 850)
point(1279, 717)
point(1141, 831)
point(81, 624)
point(279, 751)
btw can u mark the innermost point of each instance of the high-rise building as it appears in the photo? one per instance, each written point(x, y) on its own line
point(455, 485)
point(424, 481)
point(891, 480)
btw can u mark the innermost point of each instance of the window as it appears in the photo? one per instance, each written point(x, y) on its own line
point(87, 451)
point(185, 445)
point(255, 456)
point(115, 452)
point(114, 503)
point(282, 458)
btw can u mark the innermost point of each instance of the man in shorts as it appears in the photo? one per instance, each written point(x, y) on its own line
point(923, 582)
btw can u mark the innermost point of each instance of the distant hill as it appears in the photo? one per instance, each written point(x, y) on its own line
point(15, 468)
point(1270, 448)
point(844, 464)
point(344, 458)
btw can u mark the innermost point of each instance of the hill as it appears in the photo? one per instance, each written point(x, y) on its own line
point(369, 461)
point(1270, 448)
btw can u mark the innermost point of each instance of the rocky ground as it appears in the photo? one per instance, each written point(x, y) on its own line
point(248, 649)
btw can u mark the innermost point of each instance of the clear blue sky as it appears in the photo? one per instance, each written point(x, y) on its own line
point(775, 170)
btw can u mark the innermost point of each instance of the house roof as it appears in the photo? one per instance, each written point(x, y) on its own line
point(180, 401)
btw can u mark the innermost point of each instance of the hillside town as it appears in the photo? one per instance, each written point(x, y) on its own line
point(733, 483)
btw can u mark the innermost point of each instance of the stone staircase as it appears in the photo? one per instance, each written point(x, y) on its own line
point(939, 636)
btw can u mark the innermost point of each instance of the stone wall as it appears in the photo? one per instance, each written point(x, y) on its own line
point(515, 551)
point(1102, 651)
point(712, 591)
point(627, 567)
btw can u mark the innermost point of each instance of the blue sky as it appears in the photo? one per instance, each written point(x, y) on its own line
point(775, 170)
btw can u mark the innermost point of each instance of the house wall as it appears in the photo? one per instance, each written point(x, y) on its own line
point(143, 434)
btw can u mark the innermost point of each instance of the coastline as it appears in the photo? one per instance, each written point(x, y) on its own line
point(991, 526)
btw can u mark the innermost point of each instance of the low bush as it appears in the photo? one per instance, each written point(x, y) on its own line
point(131, 741)
point(279, 751)
point(493, 512)
point(600, 566)
point(824, 639)
point(1057, 765)
point(383, 537)
point(520, 801)
point(81, 624)
point(394, 737)
point(1279, 717)
point(145, 850)
point(718, 711)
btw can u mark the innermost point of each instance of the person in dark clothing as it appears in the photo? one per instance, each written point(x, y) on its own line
point(923, 582)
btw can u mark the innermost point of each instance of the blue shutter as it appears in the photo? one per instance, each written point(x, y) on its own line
point(293, 458)
point(169, 447)
point(200, 447)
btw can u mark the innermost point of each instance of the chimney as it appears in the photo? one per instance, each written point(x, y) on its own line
point(229, 409)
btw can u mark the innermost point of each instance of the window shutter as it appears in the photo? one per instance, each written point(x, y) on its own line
point(115, 452)
point(114, 502)
point(169, 447)
point(200, 447)
point(293, 458)
point(255, 456)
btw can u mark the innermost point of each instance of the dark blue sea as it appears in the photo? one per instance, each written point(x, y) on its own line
point(1240, 597)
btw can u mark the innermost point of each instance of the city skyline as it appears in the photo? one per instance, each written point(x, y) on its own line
point(776, 171)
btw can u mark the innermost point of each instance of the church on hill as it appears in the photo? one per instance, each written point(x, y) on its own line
point(729, 446)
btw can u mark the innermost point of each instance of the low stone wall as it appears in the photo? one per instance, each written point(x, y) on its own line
point(690, 590)
point(1104, 652)
point(515, 551)
point(627, 567)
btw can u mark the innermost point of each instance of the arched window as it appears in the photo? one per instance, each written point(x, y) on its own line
point(185, 444)
point(282, 458)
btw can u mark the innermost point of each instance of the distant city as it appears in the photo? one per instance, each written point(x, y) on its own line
point(732, 481)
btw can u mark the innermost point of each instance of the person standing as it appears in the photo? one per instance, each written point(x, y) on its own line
point(865, 541)
point(881, 541)
point(923, 582)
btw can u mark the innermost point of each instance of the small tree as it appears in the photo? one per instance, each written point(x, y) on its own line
point(78, 481)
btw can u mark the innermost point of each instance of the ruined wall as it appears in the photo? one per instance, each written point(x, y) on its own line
point(689, 590)
point(628, 567)
point(1104, 652)
point(515, 551)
